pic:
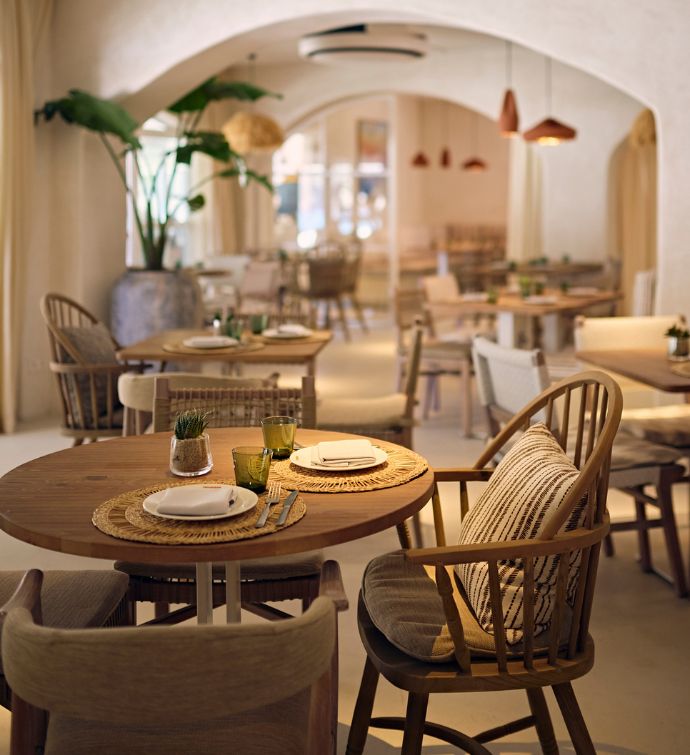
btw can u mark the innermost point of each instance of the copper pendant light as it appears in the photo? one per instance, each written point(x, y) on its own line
point(508, 121)
point(549, 131)
point(420, 160)
point(249, 132)
point(474, 164)
point(446, 159)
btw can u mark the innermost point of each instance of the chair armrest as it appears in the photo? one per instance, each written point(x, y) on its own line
point(508, 549)
point(331, 585)
point(451, 474)
point(80, 369)
point(27, 595)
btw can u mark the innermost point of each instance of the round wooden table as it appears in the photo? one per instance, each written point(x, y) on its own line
point(49, 502)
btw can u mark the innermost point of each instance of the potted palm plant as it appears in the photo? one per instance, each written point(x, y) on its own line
point(153, 298)
point(678, 344)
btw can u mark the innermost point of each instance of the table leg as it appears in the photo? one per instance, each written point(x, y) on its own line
point(466, 379)
point(311, 367)
point(204, 593)
point(505, 327)
point(233, 595)
point(551, 332)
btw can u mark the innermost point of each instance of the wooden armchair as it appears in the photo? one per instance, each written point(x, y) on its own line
point(86, 369)
point(223, 689)
point(507, 377)
point(483, 656)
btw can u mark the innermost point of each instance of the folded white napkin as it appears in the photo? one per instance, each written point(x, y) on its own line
point(343, 453)
point(209, 342)
point(294, 329)
point(196, 500)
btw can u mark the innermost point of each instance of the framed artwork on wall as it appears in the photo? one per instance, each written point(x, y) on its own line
point(372, 142)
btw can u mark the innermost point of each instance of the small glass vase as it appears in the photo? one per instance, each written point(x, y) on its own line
point(678, 349)
point(190, 457)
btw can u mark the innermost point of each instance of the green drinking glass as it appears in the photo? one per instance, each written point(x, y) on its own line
point(279, 435)
point(258, 323)
point(252, 464)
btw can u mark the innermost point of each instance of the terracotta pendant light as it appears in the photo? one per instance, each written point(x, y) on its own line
point(420, 160)
point(474, 164)
point(446, 159)
point(508, 121)
point(250, 132)
point(549, 131)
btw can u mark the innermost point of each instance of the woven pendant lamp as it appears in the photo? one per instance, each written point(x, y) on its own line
point(251, 132)
point(509, 120)
point(549, 131)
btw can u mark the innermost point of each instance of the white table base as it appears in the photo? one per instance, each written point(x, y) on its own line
point(204, 593)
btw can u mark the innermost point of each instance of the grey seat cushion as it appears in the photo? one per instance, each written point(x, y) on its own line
point(73, 599)
point(278, 567)
point(404, 605)
point(668, 425)
point(630, 451)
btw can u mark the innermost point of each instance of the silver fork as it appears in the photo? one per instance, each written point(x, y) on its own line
point(272, 497)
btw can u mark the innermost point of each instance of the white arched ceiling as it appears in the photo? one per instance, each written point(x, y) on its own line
point(149, 52)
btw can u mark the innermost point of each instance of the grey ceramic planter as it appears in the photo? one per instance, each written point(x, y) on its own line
point(145, 302)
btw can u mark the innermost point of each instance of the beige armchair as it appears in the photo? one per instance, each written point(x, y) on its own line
point(211, 689)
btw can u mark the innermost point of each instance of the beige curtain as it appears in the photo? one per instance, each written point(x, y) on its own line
point(22, 23)
point(220, 227)
point(632, 176)
point(524, 232)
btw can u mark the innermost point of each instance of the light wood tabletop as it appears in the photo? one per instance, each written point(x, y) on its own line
point(288, 351)
point(651, 367)
point(531, 307)
point(49, 501)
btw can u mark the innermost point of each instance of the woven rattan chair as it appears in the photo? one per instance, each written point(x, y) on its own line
point(69, 600)
point(554, 658)
point(271, 579)
point(86, 369)
point(199, 689)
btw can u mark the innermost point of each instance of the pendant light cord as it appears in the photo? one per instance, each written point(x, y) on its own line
point(548, 87)
point(509, 64)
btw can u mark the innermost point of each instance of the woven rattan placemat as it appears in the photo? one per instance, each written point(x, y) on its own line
point(681, 368)
point(124, 517)
point(177, 347)
point(401, 466)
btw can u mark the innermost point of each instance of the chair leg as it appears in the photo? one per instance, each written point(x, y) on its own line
point(28, 727)
point(160, 609)
point(417, 529)
point(343, 319)
point(77, 442)
point(572, 715)
point(668, 519)
point(609, 550)
point(643, 537)
point(428, 395)
point(361, 718)
point(360, 315)
point(414, 724)
point(542, 721)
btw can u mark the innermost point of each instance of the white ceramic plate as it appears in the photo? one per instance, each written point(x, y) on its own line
point(540, 299)
point(209, 342)
point(475, 296)
point(244, 501)
point(302, 458)
point(276, 333)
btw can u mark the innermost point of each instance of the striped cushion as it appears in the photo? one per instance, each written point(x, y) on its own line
point(529, 483)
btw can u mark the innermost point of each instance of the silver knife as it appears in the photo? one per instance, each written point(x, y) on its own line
point(286, 507)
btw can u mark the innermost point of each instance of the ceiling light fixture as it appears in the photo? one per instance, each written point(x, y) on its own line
point(250, 132)
point(446, 159)
point(549, 131)
point(474, 164)
point(420, 160)
point(508, 121)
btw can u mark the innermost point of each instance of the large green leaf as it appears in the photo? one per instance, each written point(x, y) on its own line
point(211, 143)
point(93, 113)
point(217, 89)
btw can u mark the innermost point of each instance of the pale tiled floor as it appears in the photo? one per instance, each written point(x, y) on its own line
point(636, 698)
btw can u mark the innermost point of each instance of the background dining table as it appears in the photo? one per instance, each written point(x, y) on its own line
point(301, 351)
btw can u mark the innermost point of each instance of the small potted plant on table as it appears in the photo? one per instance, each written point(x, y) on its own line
point(678, 337)
point(190, 447)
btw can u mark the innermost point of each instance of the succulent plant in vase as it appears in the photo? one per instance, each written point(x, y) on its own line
point(678, 337)
point(190, 448)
